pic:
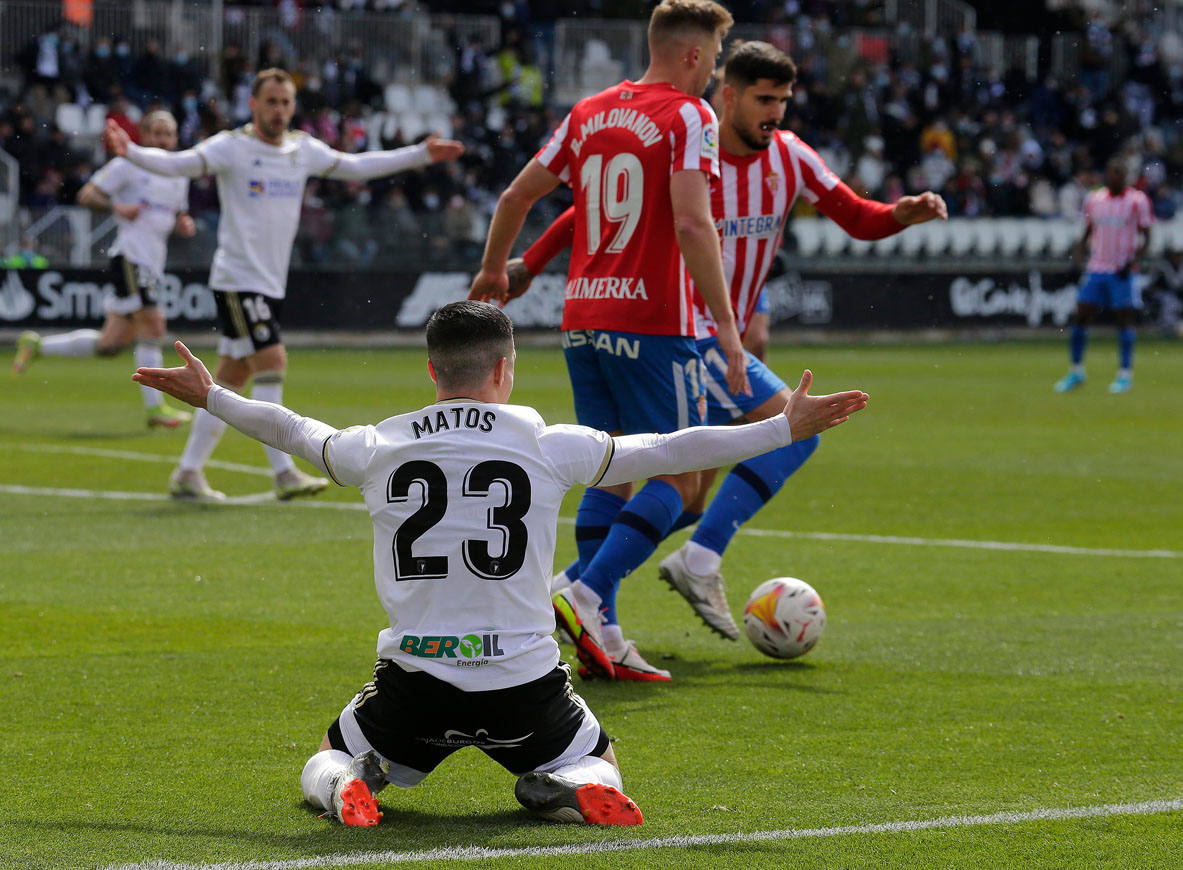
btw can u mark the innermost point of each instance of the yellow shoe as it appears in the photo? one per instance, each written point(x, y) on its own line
point(167, 417)
point(28, 348)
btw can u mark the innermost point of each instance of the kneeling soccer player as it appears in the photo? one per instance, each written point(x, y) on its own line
point(465, 495)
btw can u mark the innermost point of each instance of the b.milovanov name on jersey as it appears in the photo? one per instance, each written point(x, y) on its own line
point(454, 418)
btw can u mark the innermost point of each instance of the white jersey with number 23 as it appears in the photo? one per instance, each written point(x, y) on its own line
point(465, 496)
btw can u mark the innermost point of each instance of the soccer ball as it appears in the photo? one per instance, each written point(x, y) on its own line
point(784, 617)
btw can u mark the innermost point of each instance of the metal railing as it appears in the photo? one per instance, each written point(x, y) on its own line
point(10, 187)
point(932, 17)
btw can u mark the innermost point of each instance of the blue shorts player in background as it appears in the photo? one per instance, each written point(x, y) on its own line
point(1117, 221)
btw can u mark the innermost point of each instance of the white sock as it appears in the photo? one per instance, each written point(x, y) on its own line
point(79, 343)
point(148, 354)
point(701, 560)
point(1078, 369)
point(1124, 373)
point(268, 387)
point(318, 775)
point(613, 638)
point(590, 768)
point(204, 435)
point(584, 596)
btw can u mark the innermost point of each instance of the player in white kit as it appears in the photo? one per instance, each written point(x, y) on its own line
point(147, 208)
point(261, 170)
point(464, 495)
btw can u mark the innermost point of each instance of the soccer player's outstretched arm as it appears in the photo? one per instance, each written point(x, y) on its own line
point(558, 237)
point(532, 183)
point(702, 447)
point(870, 220)
point(376, 164)
point(271, 424)
point(182, 164)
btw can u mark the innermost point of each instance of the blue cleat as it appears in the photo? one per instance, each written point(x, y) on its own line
point(1121, 384)
point(1070, 381)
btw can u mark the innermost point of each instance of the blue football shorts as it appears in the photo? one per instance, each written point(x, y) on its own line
point(724, 406)
point(633, 383)
point(762, 306)
point(1107, 290)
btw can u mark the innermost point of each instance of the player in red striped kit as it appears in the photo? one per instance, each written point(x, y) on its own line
point(764, 171)
point(639, 158)
point(1117, 221)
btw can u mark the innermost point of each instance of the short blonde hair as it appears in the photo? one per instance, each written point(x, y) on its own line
point(152, 117)
point(271, 74)
point(673, 18)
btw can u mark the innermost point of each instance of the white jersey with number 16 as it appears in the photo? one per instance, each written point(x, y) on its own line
point(464, 498)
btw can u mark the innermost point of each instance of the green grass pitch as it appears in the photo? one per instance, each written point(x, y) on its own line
point(165, 670)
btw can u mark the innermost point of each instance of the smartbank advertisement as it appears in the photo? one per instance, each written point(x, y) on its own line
point(67, 298)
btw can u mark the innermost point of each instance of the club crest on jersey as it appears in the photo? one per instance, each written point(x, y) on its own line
point(773, 181)
point(255, 188)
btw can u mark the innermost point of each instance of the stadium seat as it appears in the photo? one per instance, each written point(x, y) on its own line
point(886, 247)
point(599, 68)
point(1036, 236)
point(1010, 236)
point(935, 237)
point(96, 118)
point(1170, 234)
point(911, 242)
point(835, 240)
point(398, 98)
point(70, 119)
point(962, 236)
point(985, 237)
point(440, 123)
point(427, 100)
point(412, 125)
point(390, 126)
point(808, 235)
point(859, 248)
point(495, 119)
point(374, 125)
point(1062, 235)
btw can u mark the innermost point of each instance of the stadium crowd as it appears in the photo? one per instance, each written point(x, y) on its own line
point(888, 121)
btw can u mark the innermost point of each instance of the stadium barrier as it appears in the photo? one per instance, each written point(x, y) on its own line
point(819, 297)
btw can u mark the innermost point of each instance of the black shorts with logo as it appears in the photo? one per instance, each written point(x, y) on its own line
point(135, 287)
point(416, 720)
point(249, 317)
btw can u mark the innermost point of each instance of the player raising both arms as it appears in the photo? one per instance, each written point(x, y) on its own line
point(1117, 220)
point(764, 171)
point(464, 495)
point(147, 208)
point(639, 158)
point(261, 170)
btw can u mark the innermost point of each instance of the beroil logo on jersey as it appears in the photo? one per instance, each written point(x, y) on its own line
point(474, 649)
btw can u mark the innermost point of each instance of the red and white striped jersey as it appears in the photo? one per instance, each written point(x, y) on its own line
point(1115, 223)
point(617, 150)
point(750, 202)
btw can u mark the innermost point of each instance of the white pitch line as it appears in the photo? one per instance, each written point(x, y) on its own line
point(259, 498)
point(136, 456)
point(268, 498)
point(485, 853)
point(960, 542)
